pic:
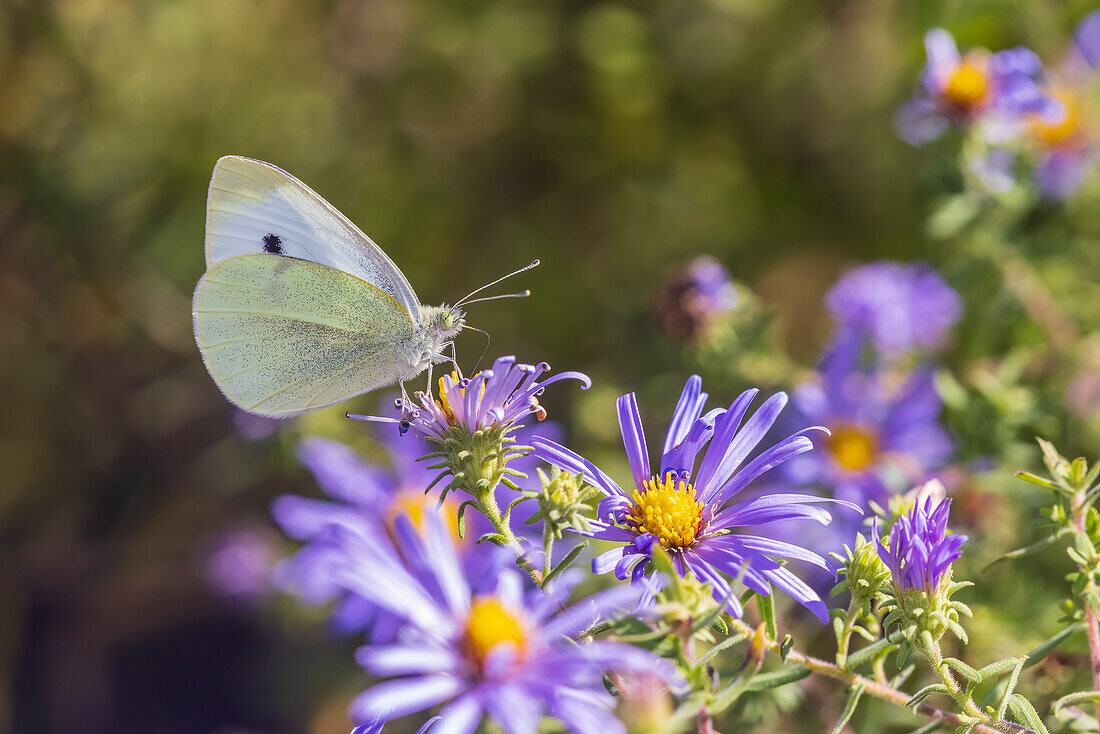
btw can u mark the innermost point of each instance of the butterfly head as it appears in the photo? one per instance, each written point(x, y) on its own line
point(447, 321)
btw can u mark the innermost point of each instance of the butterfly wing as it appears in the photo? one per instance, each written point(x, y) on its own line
point(254, 207)
point(281, 336)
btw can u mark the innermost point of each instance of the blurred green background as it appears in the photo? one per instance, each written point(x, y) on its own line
point(614, 141)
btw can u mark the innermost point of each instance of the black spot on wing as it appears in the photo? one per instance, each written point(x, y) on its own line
point(273, 244)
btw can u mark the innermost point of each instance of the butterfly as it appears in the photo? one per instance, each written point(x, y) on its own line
point(298, 309)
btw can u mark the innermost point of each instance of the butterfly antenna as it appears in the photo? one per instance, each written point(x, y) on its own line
point(524, 269)
point(521, 294)
point(488, 341)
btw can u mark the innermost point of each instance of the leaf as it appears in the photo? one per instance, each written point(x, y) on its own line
point(1025, 551)
point(998, 668)
point(711, 616)
point(461, 521)
point(849, 709)
point(1036, 480)
point(726, 697)
point(785, 647)
point(1025, 713)
point(564, 563)
point(1074, 698)
point(768, 681)
point(723, 645)
point(1047, 647)
point(963, 669)
point(926, 692)
point(494, 538)
point(863, 655)
point(905, 651)
point(1005, 702)
point(766, 607)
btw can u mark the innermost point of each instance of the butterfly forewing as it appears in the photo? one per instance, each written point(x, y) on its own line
point(257, 208)
point(281, 336)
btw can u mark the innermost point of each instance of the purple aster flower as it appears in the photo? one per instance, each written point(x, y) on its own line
point(367, 500)
point(959, 89)
point(1087, 39)
point(686, 506)
point(493, 650)
point(883, 439)
point(1065, 147)
point(695, 296)
point(920, 551)
point(898, 306)
point(499, 397)
point(374, 725)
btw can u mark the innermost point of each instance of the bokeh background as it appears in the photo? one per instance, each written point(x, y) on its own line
point(613, 140)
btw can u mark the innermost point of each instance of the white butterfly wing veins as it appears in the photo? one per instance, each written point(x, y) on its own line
point(254, 207)
point(298, 309)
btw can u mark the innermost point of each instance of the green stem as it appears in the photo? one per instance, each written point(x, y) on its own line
point(547, 548)
point(488, 505)
point(1092, 629)
point(943, 672)
point(882, 691)
point(844, 639)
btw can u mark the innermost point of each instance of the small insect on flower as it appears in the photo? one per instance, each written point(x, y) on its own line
point(496, 651)
point(686, 507)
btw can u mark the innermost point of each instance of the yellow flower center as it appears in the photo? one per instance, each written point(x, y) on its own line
point(668, 510)
point(491, 624)
point(444, 404)
point(853, 448)
point(1067, 131)
point(967, 86)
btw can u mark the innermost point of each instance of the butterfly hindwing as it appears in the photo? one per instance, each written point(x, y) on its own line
point(257, 208)
point(281, 336)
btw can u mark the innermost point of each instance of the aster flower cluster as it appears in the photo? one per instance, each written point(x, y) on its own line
point(694, 297)
point(1016, 109)
point(883, 413)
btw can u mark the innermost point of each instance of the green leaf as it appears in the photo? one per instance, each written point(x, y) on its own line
point(494, 538)
point(849, 709)
point(785, 647)
point(905, 651)
point(726, 697)
point(926, 692)
point(1025, 713)
point(766, 608)
point(1045, 648)
point(461, 521)
point(1005, 702)
point(866, 654)
point(1033, 479)
point(709, 618)
point(1025, 551)
point(998, 668)
point(1074, 698)
point(723, 645)
point(779, 678)
point(963, 669)
point(564, 563)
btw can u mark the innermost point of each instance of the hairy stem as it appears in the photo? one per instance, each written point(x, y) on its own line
point(488, 506)
point(547, 548)
point(1091, 626)
point(844, 639)
point(882, 691)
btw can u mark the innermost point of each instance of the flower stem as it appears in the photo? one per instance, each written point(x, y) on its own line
point(843, 640)
point(882, 691)
point(1091, 626)
point(488, 505)
point(547, 548)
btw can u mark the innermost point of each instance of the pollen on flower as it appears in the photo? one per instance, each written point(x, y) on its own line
point(853, 448)
point(668, 510)
point(490, 624)
point(967, 86)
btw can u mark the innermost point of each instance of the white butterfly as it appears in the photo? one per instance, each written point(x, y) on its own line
point(298, 309)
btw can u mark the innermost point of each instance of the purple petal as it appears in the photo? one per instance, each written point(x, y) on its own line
point(630, 425)
point(396, 698)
